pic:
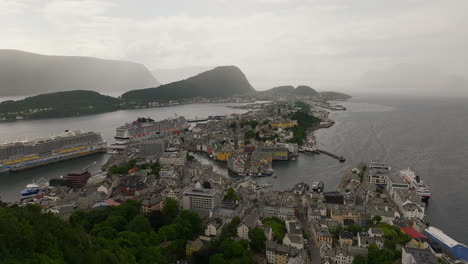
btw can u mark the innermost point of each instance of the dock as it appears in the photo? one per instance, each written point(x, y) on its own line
point(316, 150)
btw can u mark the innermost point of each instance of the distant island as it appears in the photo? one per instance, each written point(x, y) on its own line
point(330, 96)
point(221, 84)
point(288, 91)
point(24, 73)
point(60, 104)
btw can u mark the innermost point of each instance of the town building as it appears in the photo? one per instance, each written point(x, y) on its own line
point(168, 159)
point(340, 255)
point(279, 254)
point(417, 256)
point(213, 228)
point(449, 244)
point(78, 179)
point(346, 238)
point(200, 199)
point(365, 240)
point(378, 173)
point(154, 203)
point(249, 222)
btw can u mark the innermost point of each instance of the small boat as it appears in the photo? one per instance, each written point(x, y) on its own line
point(342, 159)
point(315, 186)
point(320, 186)
point(31, 189)
point(196, 119)
point(34, 188)
point(274, 176)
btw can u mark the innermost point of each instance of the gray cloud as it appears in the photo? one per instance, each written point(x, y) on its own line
point(322, 43)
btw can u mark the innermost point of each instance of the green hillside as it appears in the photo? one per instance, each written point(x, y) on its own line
point(220, 82)
point(60, 104)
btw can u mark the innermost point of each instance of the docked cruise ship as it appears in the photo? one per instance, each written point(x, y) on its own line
point(148, 128)
point(16, 156)
point(416, 183)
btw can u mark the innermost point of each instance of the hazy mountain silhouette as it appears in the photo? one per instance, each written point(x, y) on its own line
point(178, 74)
point(414, 79)
point(221, 81)
point(24, 73)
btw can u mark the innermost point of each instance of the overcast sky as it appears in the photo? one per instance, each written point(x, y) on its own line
point(321, 43)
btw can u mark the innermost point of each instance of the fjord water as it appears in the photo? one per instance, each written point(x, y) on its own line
point(427, 134)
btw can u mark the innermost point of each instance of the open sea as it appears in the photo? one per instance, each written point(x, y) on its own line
point(429, 135)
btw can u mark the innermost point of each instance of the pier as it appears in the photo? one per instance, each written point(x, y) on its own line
point(316, 150)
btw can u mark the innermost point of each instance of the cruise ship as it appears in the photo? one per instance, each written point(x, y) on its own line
point(416, 183)
point(21, 155)
point(143, 128)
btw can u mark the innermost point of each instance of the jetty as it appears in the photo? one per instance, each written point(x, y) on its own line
point(316, 150)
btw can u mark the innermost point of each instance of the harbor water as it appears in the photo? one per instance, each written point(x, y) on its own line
point(425, 134)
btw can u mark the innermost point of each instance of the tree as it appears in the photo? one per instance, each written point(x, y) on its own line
point(171, 209)
point(376, 219)
point(353, 229)
point(156, 219)
point(217, 259)
point(360, 260)
point(231, 195)
point(139, 224)
point(249, 134)
point(257, 239)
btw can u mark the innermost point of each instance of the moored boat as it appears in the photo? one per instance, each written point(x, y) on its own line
point(415, 183)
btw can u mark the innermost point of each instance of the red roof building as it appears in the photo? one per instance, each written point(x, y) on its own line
point(412, 232)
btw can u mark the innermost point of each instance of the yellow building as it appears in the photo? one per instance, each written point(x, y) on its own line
point(284, 123)
point(339, 214)
point(224, 155)
point(324, 237)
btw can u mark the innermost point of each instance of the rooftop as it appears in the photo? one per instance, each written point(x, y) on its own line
point(200, 192)
point(421, 256)
point(437, 233)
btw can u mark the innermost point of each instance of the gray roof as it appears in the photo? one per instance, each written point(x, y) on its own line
point(346, 235)
point(281, 249)
point(251, 220)
point(421, 256)
point(294, 228)
point(297, 239)
point(200, 192)
point(216, 222)
point(376, 231)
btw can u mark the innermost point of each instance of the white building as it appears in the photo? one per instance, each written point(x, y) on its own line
point(295, 241)
point(409, 203)
point(169, 159)
point(214, 227)
point(200, 199)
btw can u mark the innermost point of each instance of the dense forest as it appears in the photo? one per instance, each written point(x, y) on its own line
point(119, 234)
point(60, 104)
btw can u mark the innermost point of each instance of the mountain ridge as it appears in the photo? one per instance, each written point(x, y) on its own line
point(27, 73)
point(222, 81)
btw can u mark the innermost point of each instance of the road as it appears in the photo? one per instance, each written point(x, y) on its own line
point(313, 245)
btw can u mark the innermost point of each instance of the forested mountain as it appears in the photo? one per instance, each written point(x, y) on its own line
point(305, 90)
point(222, 81)
point(328, 96)
point(23, 73)
point(60, 104)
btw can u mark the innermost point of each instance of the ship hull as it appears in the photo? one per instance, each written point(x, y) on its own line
point(52, 159)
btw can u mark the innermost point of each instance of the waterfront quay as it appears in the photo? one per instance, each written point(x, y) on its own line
point(373, 213)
